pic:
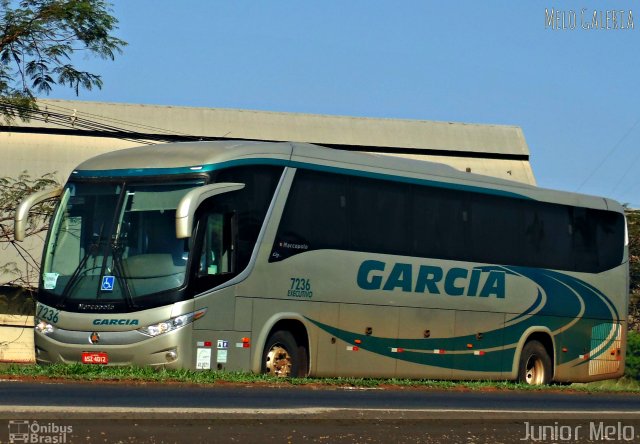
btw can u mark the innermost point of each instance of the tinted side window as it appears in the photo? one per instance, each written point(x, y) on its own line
point(609, 237)
point(315, 216)
point(379, 216)
point(583, 230)
point(496, 229)
point(547, 236)
point(229, 224)
point(331, 211)
point(441, 221)
point(249, 204)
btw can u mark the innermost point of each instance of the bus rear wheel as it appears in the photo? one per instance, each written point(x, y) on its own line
point(535, 364)
point(283, 357)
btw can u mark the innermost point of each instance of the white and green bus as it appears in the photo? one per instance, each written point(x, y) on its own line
point(295, 259)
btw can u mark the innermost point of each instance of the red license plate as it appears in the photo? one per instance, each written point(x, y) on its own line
point(95, 358)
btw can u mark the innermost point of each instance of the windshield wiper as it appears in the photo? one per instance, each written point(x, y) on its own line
point(92, 250)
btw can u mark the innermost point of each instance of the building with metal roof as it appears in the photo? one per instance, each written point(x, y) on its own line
point(65, 133)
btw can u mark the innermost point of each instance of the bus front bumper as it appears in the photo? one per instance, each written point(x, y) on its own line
point(169, 350)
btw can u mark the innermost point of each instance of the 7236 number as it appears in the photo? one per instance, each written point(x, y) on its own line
point(300, 284)
point(47, 313)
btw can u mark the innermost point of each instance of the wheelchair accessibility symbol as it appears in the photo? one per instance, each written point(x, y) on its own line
point(107, 283)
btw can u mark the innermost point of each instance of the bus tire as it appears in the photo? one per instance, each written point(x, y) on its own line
point(283, 356)
point(535, 364)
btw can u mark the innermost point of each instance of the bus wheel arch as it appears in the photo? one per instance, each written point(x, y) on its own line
point(286, 349)
point(536, 360)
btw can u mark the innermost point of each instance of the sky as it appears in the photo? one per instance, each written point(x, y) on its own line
point(574, 91)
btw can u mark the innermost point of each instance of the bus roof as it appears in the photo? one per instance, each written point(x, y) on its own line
point(191, 157)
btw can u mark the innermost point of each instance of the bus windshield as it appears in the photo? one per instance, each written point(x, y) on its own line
point(115, 243)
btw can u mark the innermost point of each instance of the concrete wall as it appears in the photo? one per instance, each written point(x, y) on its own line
point(39, 154)
point(16, 339)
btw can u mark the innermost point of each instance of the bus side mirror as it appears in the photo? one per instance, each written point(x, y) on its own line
point(192, 200)
point(22, 211)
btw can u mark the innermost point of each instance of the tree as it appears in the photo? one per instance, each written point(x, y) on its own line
point(37, 41)
point(633, 225)
point(12, 191)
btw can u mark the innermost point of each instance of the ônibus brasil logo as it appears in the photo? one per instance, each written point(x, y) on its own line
point(25, 431)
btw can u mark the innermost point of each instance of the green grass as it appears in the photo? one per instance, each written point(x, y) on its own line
point(80, 372)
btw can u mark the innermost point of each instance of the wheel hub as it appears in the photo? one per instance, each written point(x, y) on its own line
point(278, 362)
point(535, 371)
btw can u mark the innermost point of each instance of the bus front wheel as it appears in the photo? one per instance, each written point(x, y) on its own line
point(283, 357)
point(535, 364)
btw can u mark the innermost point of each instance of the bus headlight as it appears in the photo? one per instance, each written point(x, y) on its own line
point(43, 327)
point(172, 324)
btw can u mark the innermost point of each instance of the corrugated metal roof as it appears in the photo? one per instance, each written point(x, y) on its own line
point(280, 126)
point(494, 150)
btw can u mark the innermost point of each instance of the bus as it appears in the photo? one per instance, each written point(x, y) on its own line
point(298, 260)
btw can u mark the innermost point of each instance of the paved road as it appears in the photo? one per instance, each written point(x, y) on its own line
point(176, 413)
